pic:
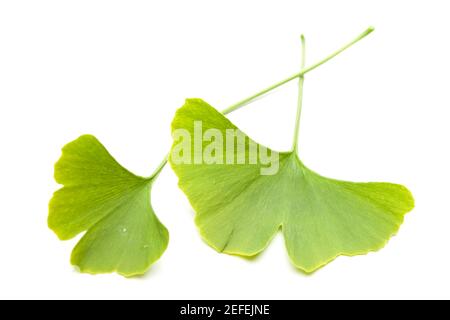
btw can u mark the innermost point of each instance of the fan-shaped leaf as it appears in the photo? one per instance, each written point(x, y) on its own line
point(110, 203)
point(239, 210)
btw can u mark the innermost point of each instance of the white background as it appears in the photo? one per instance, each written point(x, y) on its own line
point(120, 69)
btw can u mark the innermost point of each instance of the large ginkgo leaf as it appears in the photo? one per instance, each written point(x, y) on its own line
point(239, 210)
point(110, 203)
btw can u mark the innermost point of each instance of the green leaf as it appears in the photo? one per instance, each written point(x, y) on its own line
point(110, 203)
point(239, 211)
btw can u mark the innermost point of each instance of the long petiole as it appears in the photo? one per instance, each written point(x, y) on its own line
point(245, 101)
point(160, 167)
point(303, 71)
point(301, 80)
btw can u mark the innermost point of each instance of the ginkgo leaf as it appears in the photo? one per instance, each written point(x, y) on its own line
point(110, 203)
point(239, 210)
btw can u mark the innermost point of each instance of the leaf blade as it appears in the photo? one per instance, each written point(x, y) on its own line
point(239, 211)
point(110, 203)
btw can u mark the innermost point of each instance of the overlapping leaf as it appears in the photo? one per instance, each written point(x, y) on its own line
point(110, 203)
point(239, 211)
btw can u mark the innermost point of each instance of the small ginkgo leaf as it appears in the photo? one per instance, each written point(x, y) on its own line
point(110, 203)
point(239, 210)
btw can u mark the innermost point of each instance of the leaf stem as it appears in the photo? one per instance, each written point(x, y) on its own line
point(301, 80)
point(303, 71)
point(159, 168)
point(299, 75)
